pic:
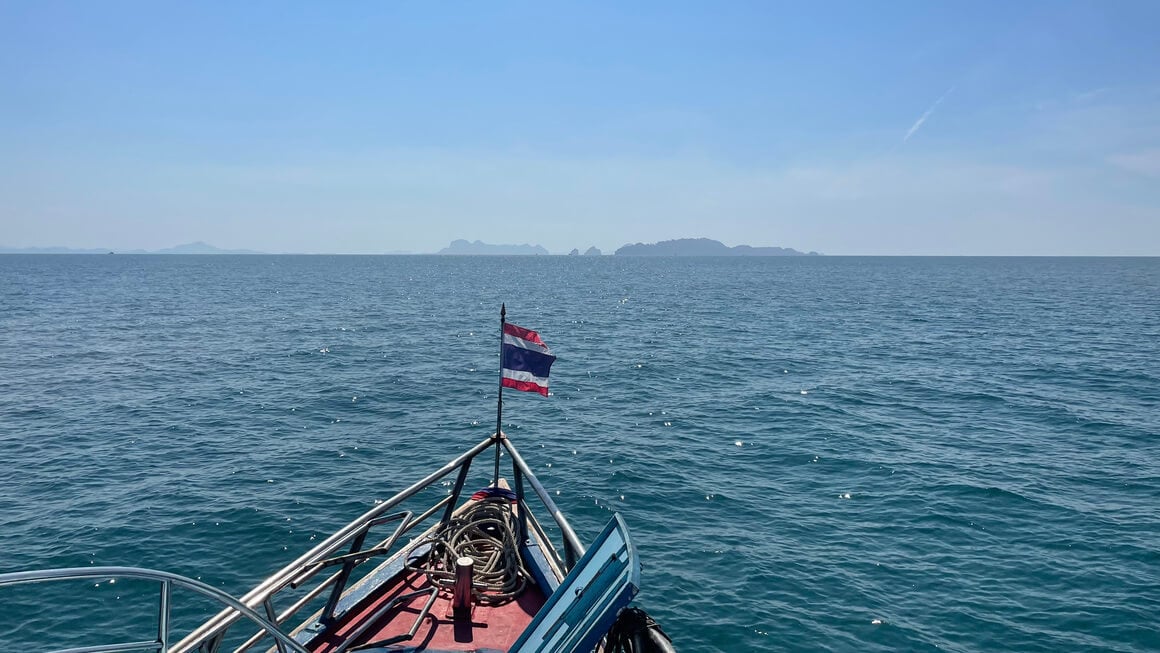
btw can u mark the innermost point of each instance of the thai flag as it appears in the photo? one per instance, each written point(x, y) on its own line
point(526, 360)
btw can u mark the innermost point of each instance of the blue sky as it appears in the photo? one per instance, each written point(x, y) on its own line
point(847, 128)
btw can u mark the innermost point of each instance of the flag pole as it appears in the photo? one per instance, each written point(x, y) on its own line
point(499, 401)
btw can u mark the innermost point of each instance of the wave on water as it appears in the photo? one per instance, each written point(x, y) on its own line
point(812, 453)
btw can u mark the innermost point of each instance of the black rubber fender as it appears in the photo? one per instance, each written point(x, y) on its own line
point(636, 632)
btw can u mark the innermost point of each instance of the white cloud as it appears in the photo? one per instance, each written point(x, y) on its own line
point(1146, 162)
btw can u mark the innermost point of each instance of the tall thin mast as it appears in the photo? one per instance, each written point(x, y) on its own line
point(499, 400)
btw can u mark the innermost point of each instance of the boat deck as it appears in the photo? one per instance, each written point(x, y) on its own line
point(492, 627)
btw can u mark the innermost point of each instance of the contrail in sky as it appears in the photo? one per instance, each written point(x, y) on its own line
point(918, 123)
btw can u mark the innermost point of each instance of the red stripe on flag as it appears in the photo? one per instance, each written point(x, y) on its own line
point(520, 332)
point(524, 386)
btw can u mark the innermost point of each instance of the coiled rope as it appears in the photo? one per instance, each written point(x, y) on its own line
point(485, 532)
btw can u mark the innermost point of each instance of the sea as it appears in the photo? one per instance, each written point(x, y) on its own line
point(811, 453)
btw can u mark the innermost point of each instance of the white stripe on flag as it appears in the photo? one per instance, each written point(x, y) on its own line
point(516, 375)
point(509, 339)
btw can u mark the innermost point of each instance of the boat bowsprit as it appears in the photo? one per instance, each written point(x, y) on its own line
point(467, 571)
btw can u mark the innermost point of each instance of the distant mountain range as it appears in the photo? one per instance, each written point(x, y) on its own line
point(704, 247)
point(679, 247)
point(478, 248)
point(188, 248)
point(203, 248)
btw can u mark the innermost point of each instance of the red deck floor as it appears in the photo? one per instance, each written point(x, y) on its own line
point(491, 627)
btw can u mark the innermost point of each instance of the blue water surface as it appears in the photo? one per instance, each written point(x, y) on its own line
point(844, 454)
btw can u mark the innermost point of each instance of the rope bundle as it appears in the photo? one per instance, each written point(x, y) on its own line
point(486, 533)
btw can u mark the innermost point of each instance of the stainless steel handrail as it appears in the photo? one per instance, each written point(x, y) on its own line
point(167, 580)
point(573, 549)
point(208, 636)
point(255, 597)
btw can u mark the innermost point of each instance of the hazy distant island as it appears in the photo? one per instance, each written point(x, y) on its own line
point(464, 248)
point(704, 247)
point(188, 248)
point(202, 248)
point(460, 247)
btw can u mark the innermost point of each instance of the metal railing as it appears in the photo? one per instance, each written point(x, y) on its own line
point(167, 581)
point(209, 636)
point(573, 549)
point(258, 603)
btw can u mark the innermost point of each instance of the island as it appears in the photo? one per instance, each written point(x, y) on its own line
point(478, 248)
point(704, 247)
point(592, 251)
point(202, 248)
point(188, 248)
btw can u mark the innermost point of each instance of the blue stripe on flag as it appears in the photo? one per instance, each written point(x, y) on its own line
point(526, 360)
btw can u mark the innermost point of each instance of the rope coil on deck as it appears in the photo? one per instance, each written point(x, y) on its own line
point(485, 532)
